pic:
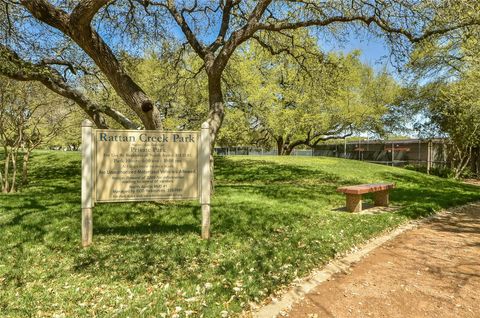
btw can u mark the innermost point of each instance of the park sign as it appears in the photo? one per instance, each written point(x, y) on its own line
point(133, 165)
point(144, 165)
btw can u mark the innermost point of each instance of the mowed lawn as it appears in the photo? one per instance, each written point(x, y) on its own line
point(273, 219)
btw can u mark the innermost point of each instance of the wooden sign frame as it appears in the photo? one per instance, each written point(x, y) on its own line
point(89, 178)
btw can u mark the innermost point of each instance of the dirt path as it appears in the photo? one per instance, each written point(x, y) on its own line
point(430, 271)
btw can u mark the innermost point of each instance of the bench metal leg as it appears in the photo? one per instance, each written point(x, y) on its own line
point(354, 202)
point(381, 198)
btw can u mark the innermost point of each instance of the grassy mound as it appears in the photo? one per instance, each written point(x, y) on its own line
point(273, 219)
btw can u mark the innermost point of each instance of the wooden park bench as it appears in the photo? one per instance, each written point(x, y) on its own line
point(354, 194)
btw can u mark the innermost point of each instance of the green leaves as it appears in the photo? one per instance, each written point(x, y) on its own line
point(302, 91)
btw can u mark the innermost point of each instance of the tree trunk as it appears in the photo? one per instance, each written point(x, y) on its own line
point(279, 146)
point(458, 159)
point(288, 151)
point(292, 145)
point(215, 115)
point(463, 161)
point(53, 81)
point(6, 185)
point(477, 163)
point(14, 171)
point(216, 105)
point(90, 41)
point(26, 158)
point(284, 147)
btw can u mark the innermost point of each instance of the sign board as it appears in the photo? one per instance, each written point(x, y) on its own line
point(133, 165)
point(144, 165)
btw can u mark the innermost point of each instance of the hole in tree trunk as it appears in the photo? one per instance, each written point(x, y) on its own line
point(147, 106)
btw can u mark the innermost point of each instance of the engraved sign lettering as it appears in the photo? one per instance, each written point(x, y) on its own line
point(136, 165)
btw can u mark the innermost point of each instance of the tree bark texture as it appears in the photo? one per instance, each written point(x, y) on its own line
point(216, 107)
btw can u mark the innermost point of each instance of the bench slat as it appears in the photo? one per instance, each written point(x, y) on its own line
point(366, 188)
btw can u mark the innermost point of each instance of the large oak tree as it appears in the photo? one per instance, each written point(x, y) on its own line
point(212, 29)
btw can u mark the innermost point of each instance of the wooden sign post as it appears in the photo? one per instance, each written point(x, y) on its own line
point(144, 165)
point(87, 182)
point(204, 164)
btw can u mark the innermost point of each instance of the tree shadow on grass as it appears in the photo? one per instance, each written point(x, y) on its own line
point(64, 171)
point(32, 230)
point(248, 170)
point(421, 195)
point(282, 192)
point(28, 204)
point(157, 228)
point(248, 219)
point(158, 247)
point(152, 219)
point(17, 219)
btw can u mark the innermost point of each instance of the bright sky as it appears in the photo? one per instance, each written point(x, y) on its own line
point(375, 51)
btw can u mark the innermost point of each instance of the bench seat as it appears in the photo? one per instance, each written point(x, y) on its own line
point(354, 194)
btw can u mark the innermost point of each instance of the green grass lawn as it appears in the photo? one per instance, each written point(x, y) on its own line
point(273, 219)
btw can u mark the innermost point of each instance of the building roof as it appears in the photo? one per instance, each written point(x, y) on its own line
point(400, 141)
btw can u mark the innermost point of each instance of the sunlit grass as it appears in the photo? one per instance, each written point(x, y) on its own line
point(273, 219)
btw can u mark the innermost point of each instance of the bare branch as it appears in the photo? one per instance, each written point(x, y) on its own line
point(227, 9)
point(182, 23)
point(299, 59)
point(367, 20)
point(52, 61)
point(241, 35)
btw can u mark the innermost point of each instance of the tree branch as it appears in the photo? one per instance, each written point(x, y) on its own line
point(241, 35)
point(53, 61)
point(227, 9)
point(84, 12)
point(95, 47)
point(46, 12)
point(12, 66)
point(182, 23)
point(322, 137)
point(367, 20)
